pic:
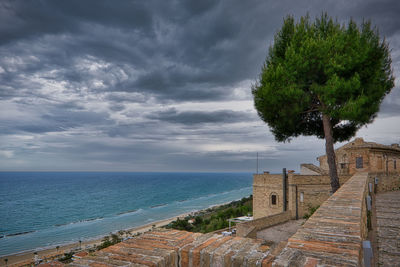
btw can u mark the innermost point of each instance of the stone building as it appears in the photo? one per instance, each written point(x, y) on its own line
point(297, 193)
point(359, 155)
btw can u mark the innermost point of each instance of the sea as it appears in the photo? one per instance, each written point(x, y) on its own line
point(39, 210)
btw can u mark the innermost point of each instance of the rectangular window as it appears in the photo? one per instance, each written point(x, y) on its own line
point(342, 165)
point(359, 162)
point(394, 164)
point(301, 197)
point(379, 164)
point(273, 199)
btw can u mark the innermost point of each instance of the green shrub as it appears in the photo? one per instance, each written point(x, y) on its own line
point(311, 211)
point(216, 218)
point(67, 258)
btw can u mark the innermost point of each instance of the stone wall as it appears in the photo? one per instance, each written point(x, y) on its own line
point(250, 229)
point(264, 186)
point(386, 182)
point(375, 157)
point(334, 234)
point(312, 191)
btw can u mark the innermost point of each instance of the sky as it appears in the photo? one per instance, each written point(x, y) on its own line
point(157, 85)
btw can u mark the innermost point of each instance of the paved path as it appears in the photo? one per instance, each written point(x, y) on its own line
point(388, 228)
point(280, 232)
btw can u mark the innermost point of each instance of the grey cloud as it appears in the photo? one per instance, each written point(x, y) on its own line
point(382, 13)
point(137, 59)
point(32, 18)
point(117, 107)
point(391, 104)
point(200, 117)
point(126, 97)
point(58, 121)
point(185, 50)
point(76, 118)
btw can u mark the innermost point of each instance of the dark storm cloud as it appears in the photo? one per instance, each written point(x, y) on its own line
point(200, 117)
point(391, 104)
point(27, 19)
point(181, 50)
point(382, 13)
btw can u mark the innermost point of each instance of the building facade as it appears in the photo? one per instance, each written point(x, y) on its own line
point(298, 193)
point(359, 155)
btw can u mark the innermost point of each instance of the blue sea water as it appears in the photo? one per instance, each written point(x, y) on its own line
point(42, 209)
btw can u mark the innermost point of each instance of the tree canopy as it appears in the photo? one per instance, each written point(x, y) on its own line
point(323, 69)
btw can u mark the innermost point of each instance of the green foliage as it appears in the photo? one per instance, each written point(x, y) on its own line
point(311, 211)
point(323, 67)
point(109, 241)
point(214, 218)
point(67, 258)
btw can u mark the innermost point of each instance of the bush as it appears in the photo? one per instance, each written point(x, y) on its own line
point(216, 218)
point(109, 241)
point(311, 211)
point(67, 258)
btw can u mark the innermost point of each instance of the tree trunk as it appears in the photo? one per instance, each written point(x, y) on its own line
point(330, 153)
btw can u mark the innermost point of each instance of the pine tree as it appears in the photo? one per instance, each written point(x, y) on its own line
point(325, 79)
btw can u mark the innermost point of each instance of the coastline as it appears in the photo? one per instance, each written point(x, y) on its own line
point(26, 257)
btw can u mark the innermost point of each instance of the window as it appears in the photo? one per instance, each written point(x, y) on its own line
point(342, 165)
point(359, 162)
point(301, 197)
point(273, 199)
point(394, 164)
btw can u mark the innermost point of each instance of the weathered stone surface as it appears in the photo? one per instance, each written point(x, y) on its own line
point(333, 235)
point(388, 228)
point(179, 248)
point(315, 189)
point(250, 228)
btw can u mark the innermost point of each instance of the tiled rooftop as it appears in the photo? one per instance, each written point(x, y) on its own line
point(163, 247)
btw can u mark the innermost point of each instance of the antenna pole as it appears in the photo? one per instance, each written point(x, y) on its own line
point(257, 162)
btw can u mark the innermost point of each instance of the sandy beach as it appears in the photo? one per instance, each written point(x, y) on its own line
point(27, 257)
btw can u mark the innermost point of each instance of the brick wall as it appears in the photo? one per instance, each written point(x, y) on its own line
point(334, 234)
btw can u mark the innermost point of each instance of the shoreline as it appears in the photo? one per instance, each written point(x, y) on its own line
point(26, 257)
